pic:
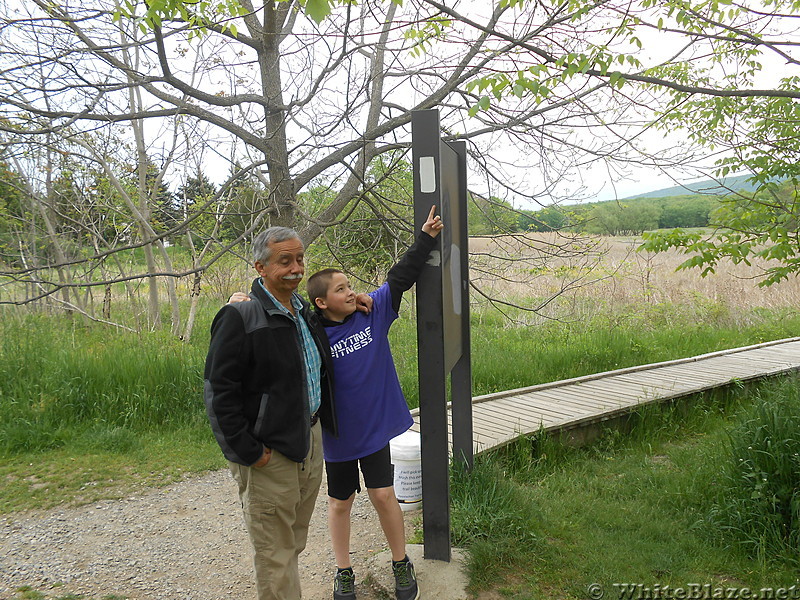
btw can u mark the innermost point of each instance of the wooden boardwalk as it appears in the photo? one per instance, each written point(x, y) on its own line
point(562, 405)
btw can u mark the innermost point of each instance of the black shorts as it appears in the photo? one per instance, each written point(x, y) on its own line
point(377, 469)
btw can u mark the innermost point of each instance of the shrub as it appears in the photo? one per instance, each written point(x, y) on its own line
point(760, 505)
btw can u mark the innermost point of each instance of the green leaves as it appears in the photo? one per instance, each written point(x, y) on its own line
point(616, 80)
point(317, 9)
point(500, 84)
point(758, 229)
point(537, 81)
point(754, 135)
point(200, 14)
point(431, 29)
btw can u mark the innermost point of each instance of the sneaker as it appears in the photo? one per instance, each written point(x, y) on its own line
point(344, 585)
point(405, 581)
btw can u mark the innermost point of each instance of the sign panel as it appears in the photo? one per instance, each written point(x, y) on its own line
point(451, 255)
point(442, 324)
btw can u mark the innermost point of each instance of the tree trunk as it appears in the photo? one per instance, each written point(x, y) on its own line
point(281, 186)
point(195, 297)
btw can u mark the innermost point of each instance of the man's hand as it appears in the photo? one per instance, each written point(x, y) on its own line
point(433, 226)
point(238, 297)
point(364, 303)
point(262, 462)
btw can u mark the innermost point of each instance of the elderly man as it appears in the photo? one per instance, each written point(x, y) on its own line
point(267, 391)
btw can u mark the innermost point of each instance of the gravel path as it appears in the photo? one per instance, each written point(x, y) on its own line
point(182, 542)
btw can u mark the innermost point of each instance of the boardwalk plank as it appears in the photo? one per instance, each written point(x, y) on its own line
point(693, 374)
point(497, 421)
point(613, 390)
point(756, 363)
point(586, 390)
point(528, 423)
point(566, 406)
point(522, 417)
point(650, 384)
point(532, 402)
point(489, 426)
point(571, 403)
point(573, 395)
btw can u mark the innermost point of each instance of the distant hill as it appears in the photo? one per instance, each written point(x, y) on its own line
point(738, 183)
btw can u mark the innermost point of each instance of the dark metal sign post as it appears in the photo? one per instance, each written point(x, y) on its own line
point(440, 178)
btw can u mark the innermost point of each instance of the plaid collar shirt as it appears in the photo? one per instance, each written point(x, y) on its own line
point(313, 361)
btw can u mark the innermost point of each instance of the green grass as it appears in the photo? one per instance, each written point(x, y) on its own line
point(80, 402)
point(58, 377)
point(759, 501)
point(88, 412)
point(86, 471)
point(636, 507)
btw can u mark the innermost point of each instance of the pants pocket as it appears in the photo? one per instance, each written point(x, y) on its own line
point(260, 518)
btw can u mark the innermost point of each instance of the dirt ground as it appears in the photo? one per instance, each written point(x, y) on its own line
point(182, 542)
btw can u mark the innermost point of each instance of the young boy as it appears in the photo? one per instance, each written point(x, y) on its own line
point(370, 405)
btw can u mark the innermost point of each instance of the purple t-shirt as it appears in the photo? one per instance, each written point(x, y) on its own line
point(370, 406)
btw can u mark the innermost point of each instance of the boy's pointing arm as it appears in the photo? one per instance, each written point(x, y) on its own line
point(406, 272)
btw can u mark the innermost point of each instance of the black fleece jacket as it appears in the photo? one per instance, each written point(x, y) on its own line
point(255, 386)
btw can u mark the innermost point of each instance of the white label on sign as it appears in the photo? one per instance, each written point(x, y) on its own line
point(427, 174)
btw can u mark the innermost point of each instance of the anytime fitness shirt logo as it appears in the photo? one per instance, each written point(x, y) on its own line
point(351, 343)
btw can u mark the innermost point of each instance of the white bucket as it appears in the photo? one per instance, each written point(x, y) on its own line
point(405, 449)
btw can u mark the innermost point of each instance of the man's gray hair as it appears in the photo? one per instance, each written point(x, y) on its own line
point(273, 235)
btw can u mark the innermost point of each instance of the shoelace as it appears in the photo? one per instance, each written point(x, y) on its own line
point(401, 573)
point(346, 579)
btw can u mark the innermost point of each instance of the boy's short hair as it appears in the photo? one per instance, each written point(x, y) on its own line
point(318, 284)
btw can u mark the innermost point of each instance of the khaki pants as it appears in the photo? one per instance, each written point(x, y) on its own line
point(278, 500)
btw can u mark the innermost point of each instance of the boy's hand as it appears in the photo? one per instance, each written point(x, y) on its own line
point(238, 297)
point(364, 303)
point(434, 224)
